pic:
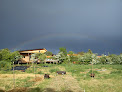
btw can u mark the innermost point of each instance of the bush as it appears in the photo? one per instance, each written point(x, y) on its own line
point(5, 65)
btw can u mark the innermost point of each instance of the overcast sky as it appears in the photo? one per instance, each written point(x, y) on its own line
point(78, 25)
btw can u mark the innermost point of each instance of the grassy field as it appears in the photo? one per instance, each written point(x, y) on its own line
point(108, 78)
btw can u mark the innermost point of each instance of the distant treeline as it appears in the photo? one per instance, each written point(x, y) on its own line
point(7, 57)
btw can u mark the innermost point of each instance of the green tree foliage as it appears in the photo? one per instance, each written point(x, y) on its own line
point(86, 58)
point(33, 57)
point(14, 56)
point(63, 50)
point(8, 56)
point(60, 56)
point(67, 59)
point(71, 52)
point(103, 59)
point(89, 51)
point(116, 59)
point(5, 65)
point(111, 59)
point(48, 53)
point(0, 56)
point(73, 58)
point(120, 56)
point(95, 59)
point(38, 56)
point(5, 54)
point(42, 57)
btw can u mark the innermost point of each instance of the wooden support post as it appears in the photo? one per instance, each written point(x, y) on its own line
point(34, 71)
point(33, 67)
point(13, 77)
point(28, 58)
point(92, 68)
point(18, 62)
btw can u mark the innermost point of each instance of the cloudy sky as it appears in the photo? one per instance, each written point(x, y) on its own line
point(78, 25)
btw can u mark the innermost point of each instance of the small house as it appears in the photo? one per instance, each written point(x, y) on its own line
point(27, 54)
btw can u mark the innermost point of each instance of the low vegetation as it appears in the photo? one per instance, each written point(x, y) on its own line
point(78, 67)
point(107, 78)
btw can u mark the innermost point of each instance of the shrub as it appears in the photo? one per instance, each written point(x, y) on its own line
point(5, 65)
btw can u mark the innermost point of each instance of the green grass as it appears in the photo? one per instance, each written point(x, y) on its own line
point(54, 70)
point(24, 82)
point(40, 72)
point(109, 80)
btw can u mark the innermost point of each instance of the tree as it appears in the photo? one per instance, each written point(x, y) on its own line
point(7, 57)
point(73, 58)
point(48, 53)
point(70, 52)
point(33, 58)
point(115, 59)
point(109, 61)
point(5, 54)
point(0, 56)
point(106, 59)
point(95, 59)
point(15, 56)
point(60, 56)
point(86, 58)
point(42, 57)
point(89, 51)
point(63, 50)
point(5, 65)
point(120, 56)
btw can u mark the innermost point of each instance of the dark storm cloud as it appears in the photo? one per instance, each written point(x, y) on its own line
point(97, 23)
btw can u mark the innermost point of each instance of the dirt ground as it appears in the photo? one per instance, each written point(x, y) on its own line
point(58, 82)
point(65, 82)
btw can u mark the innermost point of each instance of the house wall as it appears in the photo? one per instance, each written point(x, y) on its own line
point(26, 54)
point(34, 51)
point(25, 60)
